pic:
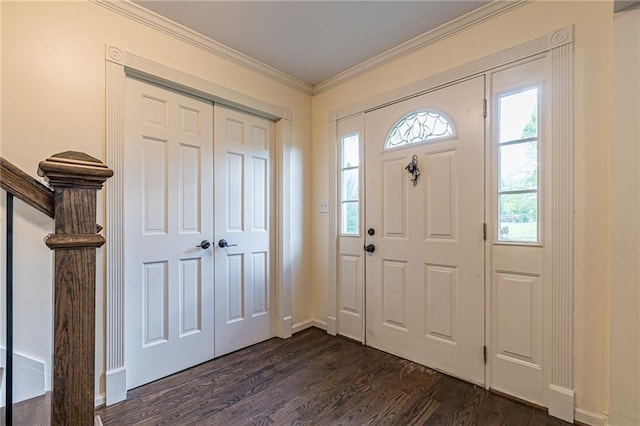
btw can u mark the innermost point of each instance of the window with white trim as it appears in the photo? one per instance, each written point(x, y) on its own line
point(518, 168)
point(350, 184)
point(418, 127)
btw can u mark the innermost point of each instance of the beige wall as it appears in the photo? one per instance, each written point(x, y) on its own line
point(53, 84)
point(593, 67)
point(53, 100)
point(624, 405)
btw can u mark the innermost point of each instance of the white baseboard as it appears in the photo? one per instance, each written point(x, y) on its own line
point(561, 403)
point(285, 328)
point(332, 326)
point(590, 418)
point(308, 324)
point(31, 373)
point(116, 386)
point(319, 324)
point(99, 400)
point(301, 326)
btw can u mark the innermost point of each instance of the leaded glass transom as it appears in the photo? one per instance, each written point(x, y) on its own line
point(419, 127)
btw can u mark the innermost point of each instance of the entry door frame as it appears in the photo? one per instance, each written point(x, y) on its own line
point(120, 64)
point(558, 300)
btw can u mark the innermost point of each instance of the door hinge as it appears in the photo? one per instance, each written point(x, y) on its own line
point(484, 108)
point(484, 354)
point(484, 231)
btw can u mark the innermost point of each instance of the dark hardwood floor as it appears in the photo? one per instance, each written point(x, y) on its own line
point(316, 379)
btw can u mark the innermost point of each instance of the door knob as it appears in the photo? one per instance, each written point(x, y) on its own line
point(223, 243)
point(204, 244)
point(369, 248)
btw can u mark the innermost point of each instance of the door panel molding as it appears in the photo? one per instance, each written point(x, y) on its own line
point(558, 288)
point(518, 276)
point(120, 64)
point(242, 316)
point(427, 271)
point(346, 314)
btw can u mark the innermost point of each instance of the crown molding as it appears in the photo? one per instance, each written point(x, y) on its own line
point(152, 71)
point(448, 29)
point(535, 47)
point(151, 19)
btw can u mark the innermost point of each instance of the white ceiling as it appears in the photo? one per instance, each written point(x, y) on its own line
point(311, 40)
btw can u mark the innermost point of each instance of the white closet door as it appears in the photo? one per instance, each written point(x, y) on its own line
point(168, 204)
point(244, 191)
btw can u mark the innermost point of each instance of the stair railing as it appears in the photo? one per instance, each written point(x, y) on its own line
point(75, 179)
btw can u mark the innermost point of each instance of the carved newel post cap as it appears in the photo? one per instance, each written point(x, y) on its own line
point(75, 169)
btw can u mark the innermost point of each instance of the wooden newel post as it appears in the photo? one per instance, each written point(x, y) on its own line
point(75, 178)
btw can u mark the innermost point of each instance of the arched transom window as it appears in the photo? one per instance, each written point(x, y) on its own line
point(419, 127)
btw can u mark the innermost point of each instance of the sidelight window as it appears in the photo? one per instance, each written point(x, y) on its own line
point(518, 155)
point(350, 185)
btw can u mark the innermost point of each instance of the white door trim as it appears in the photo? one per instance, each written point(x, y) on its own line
point(545, 44)
point(334, 203)
point(558, 305)
point(120, 64)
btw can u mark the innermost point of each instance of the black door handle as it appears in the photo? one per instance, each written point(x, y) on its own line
point(369, 248)
point(223, 243)
point(204, 244)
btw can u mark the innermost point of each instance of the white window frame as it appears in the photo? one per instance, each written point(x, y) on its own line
point(341, 169)
point(540, 148)
point(428, 140)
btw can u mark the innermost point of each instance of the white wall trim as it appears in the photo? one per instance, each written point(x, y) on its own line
point(153, 20)
point(116, 386)
point(116, 377)
point(283, 229)
point(332, 325)
point(590, 418)
point(558, 308)
point(28, 373)
point(319, 324)
point(120, 64)
point(99, 401)
point(302, 326)
point(332, 279)
point(559, 254)
point(560, 400)
point(308, 324)
point(147, 69)
point(164, 25)
point(435, 35)
point(534, 47)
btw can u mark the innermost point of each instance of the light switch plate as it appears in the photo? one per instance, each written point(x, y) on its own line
point(324, 206)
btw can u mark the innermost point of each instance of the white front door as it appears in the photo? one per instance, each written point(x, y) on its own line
point(168, 159)
point(425, 279)
point(244, 188)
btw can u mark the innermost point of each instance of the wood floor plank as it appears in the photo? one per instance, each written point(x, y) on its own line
point(316, 379)
point(369, 377)
point(322, 368)
point(333, 391)
point(233, 384)
point(220, 383)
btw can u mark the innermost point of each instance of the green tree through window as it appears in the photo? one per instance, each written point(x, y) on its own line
point(518, 172)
